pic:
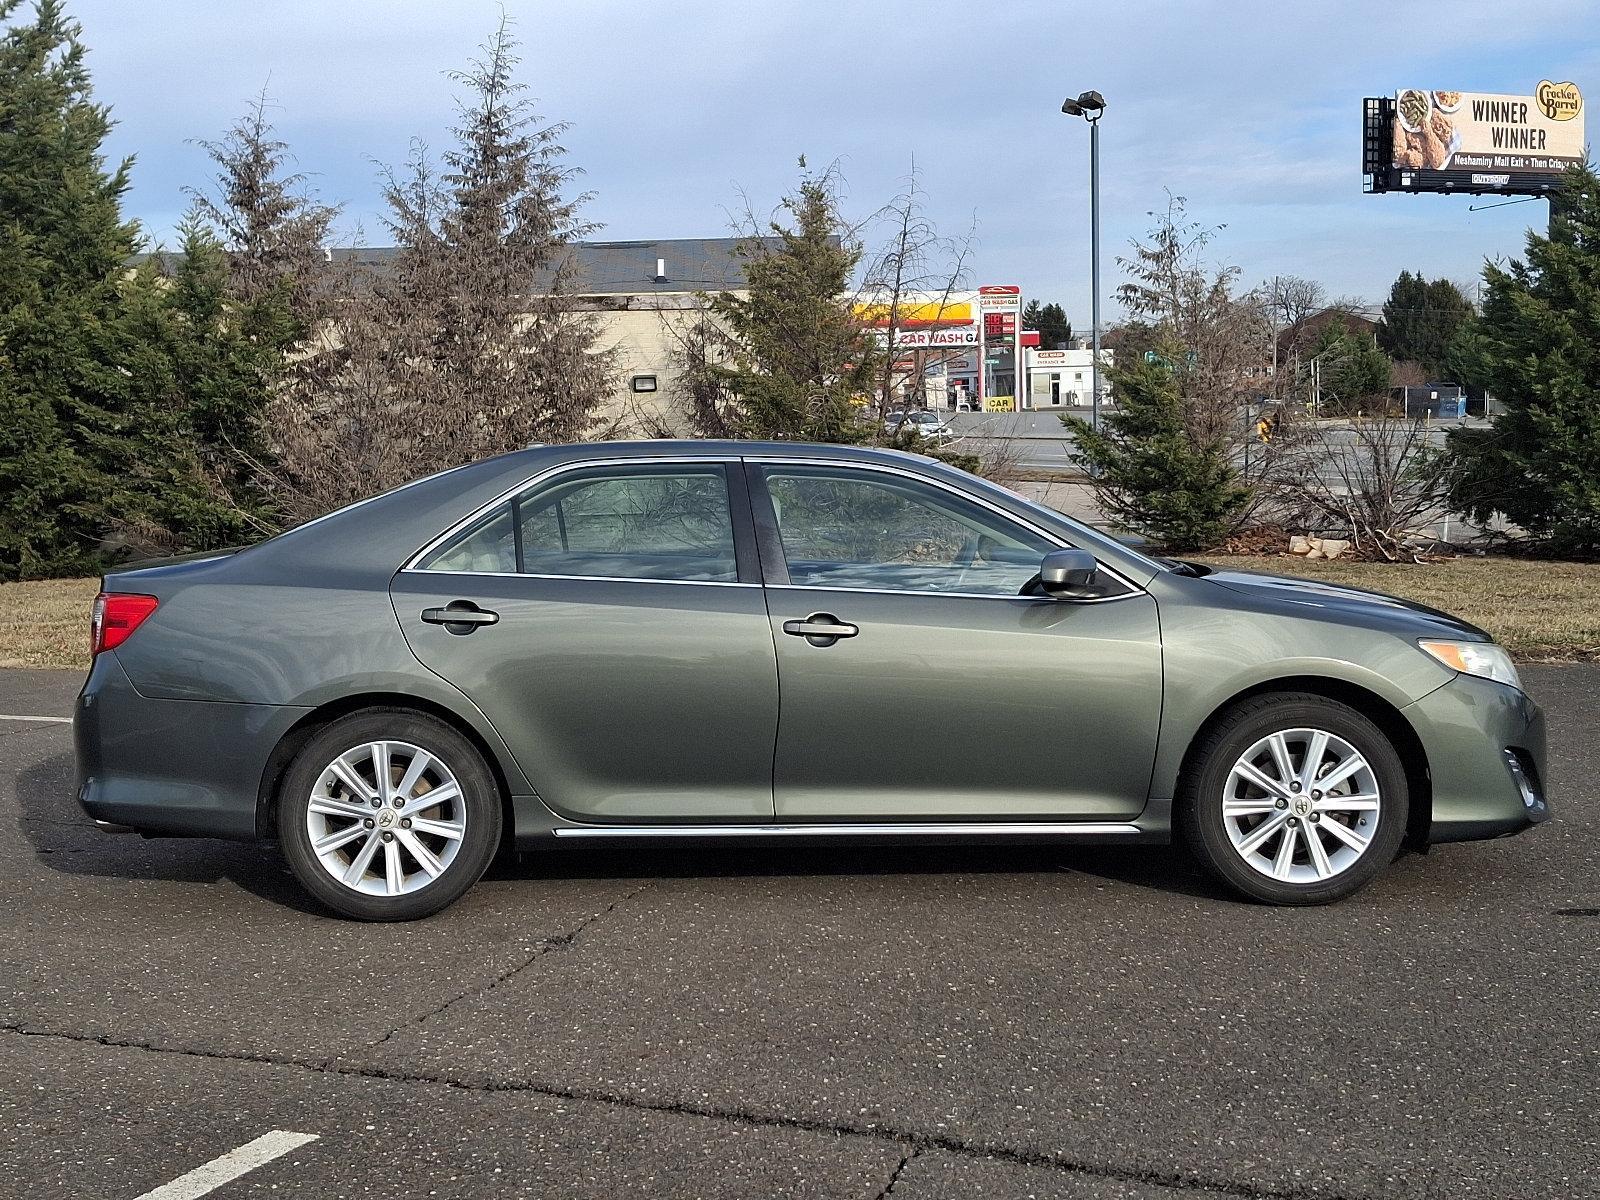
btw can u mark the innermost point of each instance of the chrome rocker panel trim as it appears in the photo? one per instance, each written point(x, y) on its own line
point(963, 829)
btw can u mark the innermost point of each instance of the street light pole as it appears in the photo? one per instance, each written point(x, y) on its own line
point(1094, 266)
point(1091, 106)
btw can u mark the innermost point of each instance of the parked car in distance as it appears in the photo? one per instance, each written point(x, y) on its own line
point(924, 422)
point(674, 639)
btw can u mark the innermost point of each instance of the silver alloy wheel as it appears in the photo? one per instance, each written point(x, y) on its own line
point(1301, 806)
point(386, 818)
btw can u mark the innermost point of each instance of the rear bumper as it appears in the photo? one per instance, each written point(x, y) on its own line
point(184, 768)
point(1485, 744)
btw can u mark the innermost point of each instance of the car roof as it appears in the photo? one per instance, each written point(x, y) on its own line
point(713, 448)
point(382, 529)
point(372, 538)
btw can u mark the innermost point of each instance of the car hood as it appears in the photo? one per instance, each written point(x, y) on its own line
point(1338, 599)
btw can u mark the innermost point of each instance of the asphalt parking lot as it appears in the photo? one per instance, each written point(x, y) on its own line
point(778, 1022)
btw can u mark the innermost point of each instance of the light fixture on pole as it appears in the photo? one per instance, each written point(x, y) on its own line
point(1091, 106)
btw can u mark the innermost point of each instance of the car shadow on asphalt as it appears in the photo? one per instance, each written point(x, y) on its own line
point(64, 840)
point(1158, 868)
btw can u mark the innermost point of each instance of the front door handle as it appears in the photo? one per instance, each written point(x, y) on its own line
point(460, 616)
point(821, 629)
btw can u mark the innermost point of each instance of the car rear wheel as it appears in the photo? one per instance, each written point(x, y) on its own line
point(1293, 798)
point(388, 815)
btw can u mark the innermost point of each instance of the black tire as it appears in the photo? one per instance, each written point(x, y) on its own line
point(479, 807)
point(1205, 831)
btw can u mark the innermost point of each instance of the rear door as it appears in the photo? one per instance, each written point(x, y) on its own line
point(610, 623)
point(918, 684)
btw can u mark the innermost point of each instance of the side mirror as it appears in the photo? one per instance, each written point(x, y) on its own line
point(1068, 574)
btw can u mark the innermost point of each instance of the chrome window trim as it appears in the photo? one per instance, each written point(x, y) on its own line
point(543, 476)
point(884, 468)
point(579, 578)
point(822, 587)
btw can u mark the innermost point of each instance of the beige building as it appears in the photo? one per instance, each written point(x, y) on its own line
point(647, 294)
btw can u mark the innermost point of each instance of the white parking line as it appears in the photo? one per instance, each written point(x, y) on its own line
point(52, 720)
point(220, 1170)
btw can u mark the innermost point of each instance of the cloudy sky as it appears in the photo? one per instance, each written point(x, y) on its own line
point(1251, 110)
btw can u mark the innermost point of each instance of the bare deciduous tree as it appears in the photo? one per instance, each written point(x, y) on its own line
point(1289, 302)
point(1198, 311)
point(916, 270)
point(1379, 481)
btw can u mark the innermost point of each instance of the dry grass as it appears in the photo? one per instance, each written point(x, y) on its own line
point(1540, 611)
point(45, 623)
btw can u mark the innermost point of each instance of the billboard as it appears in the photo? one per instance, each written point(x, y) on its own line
point(1475, 142)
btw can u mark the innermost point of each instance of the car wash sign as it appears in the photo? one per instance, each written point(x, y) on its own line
point(1427, 140)
point(999, 298)
point(930, 339)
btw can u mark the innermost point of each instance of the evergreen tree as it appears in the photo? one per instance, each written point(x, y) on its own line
point(274, 235)
point(1148, 470)
point(1055, 331)
point(1351, 370)
point(63, 245)
point(471, 342)
point(801, 360)
point(241, 302)
point(198, 373)
point(1537, 348)
point(1420, 319)
point(1162, 460)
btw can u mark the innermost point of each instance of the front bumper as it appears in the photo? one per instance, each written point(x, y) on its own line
point(184, 768)
point(1485, 744)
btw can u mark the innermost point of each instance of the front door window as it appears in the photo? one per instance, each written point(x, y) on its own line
point(845, 528)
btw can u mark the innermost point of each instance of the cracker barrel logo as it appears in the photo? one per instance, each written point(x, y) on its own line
point(1559, 101)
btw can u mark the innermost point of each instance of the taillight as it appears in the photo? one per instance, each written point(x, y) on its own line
point(116, 616)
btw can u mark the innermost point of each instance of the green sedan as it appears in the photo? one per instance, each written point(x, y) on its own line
point(770, 640)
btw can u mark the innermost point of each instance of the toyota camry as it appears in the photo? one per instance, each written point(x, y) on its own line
point(750, 640)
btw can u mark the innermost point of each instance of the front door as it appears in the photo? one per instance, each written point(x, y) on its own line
point(610, 623)
point(918, 684)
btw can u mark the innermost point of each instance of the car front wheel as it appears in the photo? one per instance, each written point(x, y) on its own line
point(1294, 798)
point(388, 815)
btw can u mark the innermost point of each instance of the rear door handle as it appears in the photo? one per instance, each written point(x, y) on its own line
point(821, 629)
point(460, 616)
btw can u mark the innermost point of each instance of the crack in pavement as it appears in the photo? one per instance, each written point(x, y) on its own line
point(559, 941)
point(918, 1141)
point(894, 1175)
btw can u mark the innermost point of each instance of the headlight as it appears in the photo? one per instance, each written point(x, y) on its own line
point(1483, 659)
